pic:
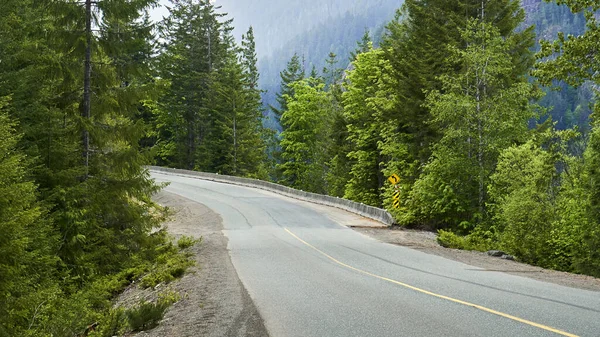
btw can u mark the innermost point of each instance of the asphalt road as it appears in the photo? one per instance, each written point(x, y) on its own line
point(311, 276)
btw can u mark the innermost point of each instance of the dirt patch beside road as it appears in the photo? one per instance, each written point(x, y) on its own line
point(214, 302)
point(426, 242)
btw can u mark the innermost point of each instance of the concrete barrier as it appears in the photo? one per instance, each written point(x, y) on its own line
point(370, 212)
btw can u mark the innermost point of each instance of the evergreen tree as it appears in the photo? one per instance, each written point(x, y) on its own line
point(416, 46)
point(193, 50)
point(305, 136)
point(363, 120)
point(480, 114)
point(213, 95)
point(575, 59)
point(27, 243)
point(235, 144)
point(364, 45)
point(77, 79)
point(337, 166)
point(253, 143)
point(293, 72)
point(332, 73)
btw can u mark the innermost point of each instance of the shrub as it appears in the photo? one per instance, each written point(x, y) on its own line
point(187, 242)
point(114, 324)
point(170, 267)
point(479, 240)
point(146, 315)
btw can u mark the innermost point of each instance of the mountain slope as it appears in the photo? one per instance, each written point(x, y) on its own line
point(314, 28)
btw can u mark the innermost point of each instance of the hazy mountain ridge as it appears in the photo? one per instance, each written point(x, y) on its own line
point(277, 22)
point(314, 28)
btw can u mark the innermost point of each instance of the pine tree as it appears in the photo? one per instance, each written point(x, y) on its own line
point(293, 72)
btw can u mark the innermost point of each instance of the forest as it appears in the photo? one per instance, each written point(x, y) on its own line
point(90, 93)
point(451, 103)
point(449, 98)
point(333, 26)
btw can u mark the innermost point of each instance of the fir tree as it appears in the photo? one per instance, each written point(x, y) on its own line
point(364, 45)
point(416, 46)
point(292, 73)
point(575, 59)
point(480, 115)
point(303, 141)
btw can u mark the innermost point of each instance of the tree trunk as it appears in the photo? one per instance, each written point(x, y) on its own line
point(87, 83)
point(234, 140)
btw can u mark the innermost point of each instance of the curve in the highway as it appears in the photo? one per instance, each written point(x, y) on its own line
point(309, 275)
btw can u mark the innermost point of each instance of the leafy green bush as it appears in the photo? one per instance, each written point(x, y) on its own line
point(479, 240)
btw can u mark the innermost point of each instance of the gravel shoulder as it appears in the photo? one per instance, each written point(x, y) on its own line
point(214, 302)
point(426, 242)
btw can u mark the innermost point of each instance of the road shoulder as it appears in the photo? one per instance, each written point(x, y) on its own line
point(214, 301)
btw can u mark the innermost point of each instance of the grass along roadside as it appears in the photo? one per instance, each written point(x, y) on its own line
point(171, 261)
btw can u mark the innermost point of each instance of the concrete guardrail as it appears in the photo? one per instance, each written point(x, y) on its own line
point(370, 212)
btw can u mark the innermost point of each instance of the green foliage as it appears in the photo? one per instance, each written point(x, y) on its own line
point(540, 211)
point(147, 315)
point(210, 115)
point(574, 59)
point(292, 73)
point(113, 324)
point(589, 261)
point(304, 139)
point(187, 242)
point(524, 192)
point(362, 115)
point(77, 225)
point(479, 113)
point(27, 243)
point(170, 264)
point(418, 46)
point(478, 240)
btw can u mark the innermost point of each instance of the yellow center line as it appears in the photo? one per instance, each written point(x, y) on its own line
point(476, 306)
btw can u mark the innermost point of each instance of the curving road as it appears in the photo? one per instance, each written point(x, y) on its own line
point(309, 275)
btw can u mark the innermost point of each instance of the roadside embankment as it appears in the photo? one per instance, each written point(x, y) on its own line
point(214, 302)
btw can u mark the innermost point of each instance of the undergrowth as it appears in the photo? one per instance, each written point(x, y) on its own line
point(478, 240)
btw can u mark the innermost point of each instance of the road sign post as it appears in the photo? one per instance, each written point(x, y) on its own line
point(394, 179)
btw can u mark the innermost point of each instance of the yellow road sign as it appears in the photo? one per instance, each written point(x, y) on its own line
point(394, 179)
point(396, 203)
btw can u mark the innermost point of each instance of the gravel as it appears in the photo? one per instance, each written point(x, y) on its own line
point(214, 302)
